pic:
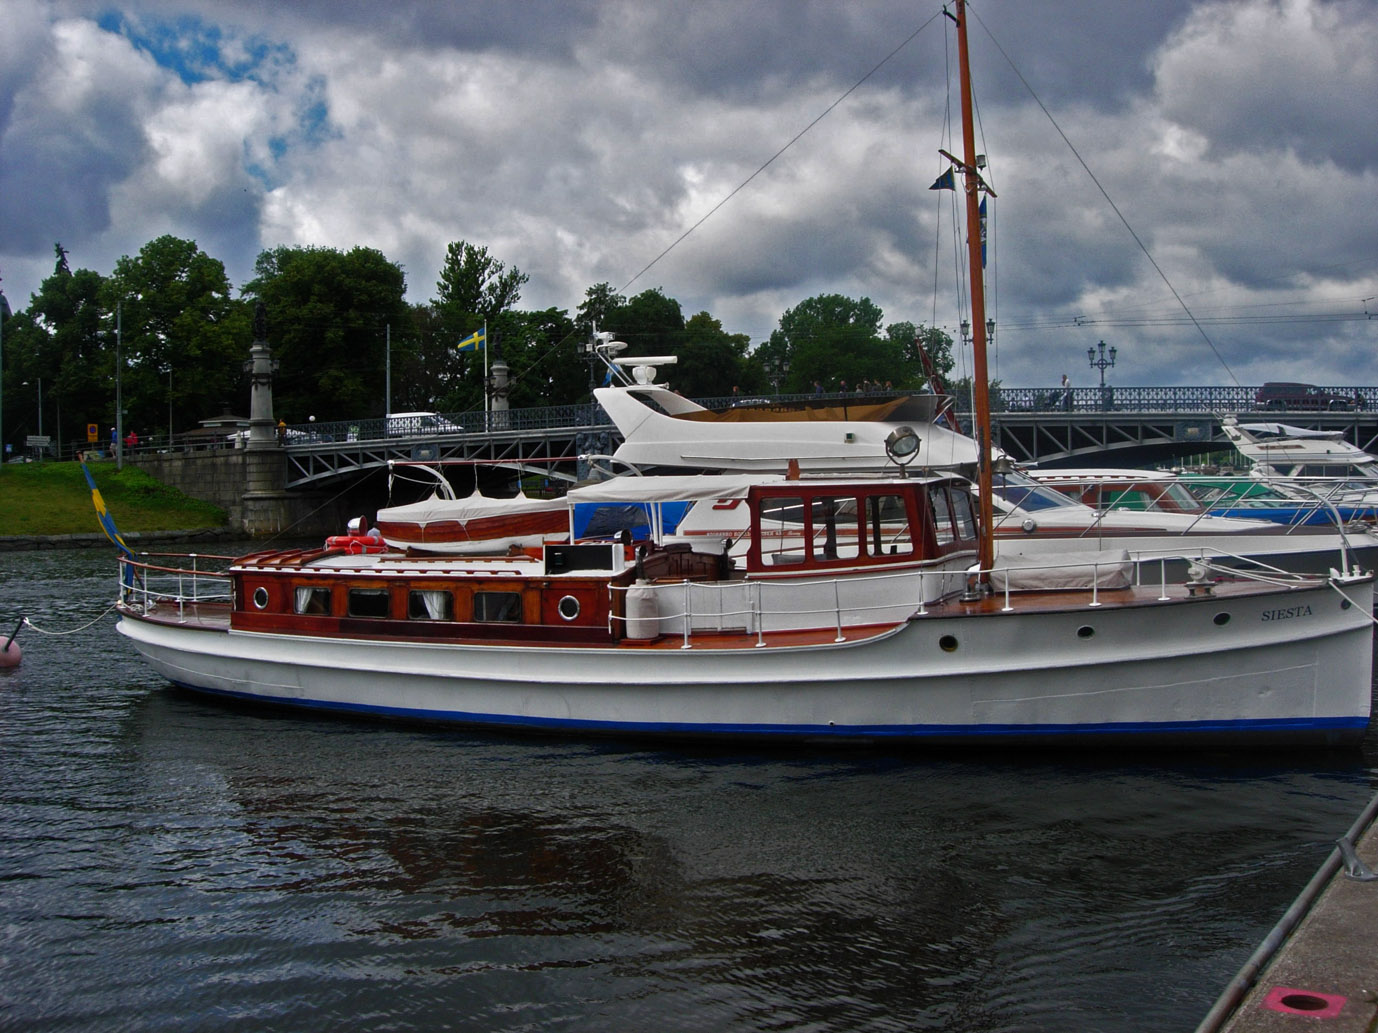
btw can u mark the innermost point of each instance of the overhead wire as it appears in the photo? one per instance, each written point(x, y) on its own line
point(1108, 199)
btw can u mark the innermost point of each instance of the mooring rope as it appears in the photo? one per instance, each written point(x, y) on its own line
point(43, 631)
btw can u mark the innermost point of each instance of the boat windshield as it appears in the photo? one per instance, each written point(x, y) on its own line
point(1026, 493)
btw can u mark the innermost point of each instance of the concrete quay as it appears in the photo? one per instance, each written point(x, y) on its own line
point(1318, 968)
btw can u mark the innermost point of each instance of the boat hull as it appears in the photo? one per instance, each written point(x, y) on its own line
point(1291, 666)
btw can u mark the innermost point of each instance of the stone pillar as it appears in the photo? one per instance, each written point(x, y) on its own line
point(261, 367)
point(267, 506)
point(501, 379)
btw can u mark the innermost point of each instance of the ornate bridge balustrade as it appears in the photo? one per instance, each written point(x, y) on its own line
point(1121, 426)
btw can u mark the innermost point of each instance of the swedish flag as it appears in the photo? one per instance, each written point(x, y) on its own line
point(476, 340)
point(107, 522)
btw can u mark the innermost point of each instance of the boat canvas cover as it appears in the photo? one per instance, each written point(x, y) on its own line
point(1032, 572)
point(473, 507)
point(670, 488)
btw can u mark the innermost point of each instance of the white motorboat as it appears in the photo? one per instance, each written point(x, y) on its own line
point(863, 608)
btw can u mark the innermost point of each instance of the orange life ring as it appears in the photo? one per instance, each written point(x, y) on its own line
point(354, 544)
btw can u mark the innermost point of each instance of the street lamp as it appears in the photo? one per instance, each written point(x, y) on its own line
point(777, 369)
point(40, 404)
point(1101, 363)
point(1098, 361)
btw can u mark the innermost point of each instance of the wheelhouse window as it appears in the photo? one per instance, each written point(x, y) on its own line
point(500, 607)
point(887, 523)
point(782, 529)
point(964, 515)
point(942, 515)
point(312, 599)
point(834, 528)
point(369, 602)
point(430, 605)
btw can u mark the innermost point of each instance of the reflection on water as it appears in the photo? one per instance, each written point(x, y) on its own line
point(172, 862)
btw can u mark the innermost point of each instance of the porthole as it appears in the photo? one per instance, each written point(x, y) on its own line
point(1345, 604)
point(948, 644)
point(1221, 619)
point(569, 607)
point(261, 597)
point(1085, 631)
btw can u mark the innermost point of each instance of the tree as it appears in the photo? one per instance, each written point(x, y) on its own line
point(184, 337)
point(651, 323)
point(916, 342)
point(833, 339)
point(594, 313)
point(474, 290)
point(712, 362)
point(60, 342)
point(541, 350)
point(328, 317)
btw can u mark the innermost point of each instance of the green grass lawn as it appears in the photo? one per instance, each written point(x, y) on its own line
point(53, 498)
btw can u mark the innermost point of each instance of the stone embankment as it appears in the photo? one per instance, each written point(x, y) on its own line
point(21, 542)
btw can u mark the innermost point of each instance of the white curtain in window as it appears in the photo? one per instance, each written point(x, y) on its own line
point(435, 604)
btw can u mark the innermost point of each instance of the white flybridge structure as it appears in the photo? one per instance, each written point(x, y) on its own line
point(1319, 461)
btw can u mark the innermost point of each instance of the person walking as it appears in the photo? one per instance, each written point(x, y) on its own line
point(1066, 393)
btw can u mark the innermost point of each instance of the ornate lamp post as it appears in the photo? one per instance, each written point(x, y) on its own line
point(776, 370)
point(1101, 362)
point(1097, 358)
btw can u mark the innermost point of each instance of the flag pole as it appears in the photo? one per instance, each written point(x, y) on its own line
point(487, 388)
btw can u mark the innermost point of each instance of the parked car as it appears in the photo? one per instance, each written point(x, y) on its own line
point(410, 424)
point(1285, 395)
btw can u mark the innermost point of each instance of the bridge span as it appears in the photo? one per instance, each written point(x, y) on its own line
point(1126, 427)
point(321, 473)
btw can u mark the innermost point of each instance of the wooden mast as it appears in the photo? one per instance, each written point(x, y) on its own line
point(973, 185)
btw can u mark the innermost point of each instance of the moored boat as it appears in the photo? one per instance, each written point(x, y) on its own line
point(863, 608)
point(861, 627)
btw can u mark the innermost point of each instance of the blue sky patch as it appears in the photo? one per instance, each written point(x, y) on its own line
point(195, 50)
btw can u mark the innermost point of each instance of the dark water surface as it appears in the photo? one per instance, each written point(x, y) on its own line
point(171, 863)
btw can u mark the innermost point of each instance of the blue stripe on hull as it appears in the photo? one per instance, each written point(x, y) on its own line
point(1332, 731)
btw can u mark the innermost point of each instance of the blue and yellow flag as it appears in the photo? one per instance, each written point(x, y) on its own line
point(107, 522)
point(944, 182)
point(476, 340)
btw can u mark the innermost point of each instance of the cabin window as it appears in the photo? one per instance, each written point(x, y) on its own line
point(834, 527)
point(782, 530)
point(887, 523)
point(503, 607)
point(369, 602)
point(428, 605)
point(966, 519)
point(312, 599)
point(942, 515)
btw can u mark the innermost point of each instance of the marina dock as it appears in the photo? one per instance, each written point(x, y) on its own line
point(1318, 968)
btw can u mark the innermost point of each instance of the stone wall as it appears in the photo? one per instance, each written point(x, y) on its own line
point(263, 507)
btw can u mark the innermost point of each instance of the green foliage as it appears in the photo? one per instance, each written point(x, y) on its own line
point(59, 342)
point(712, 362)
point(184, 336)
point(328, 318)
point(337, 320)
point(833, 340)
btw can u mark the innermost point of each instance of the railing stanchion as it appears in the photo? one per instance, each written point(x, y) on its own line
point(837, 611)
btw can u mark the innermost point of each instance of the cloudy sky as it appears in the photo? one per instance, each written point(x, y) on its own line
point(579, 139)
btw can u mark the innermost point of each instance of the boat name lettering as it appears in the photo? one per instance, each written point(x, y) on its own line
point(1287, 613)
